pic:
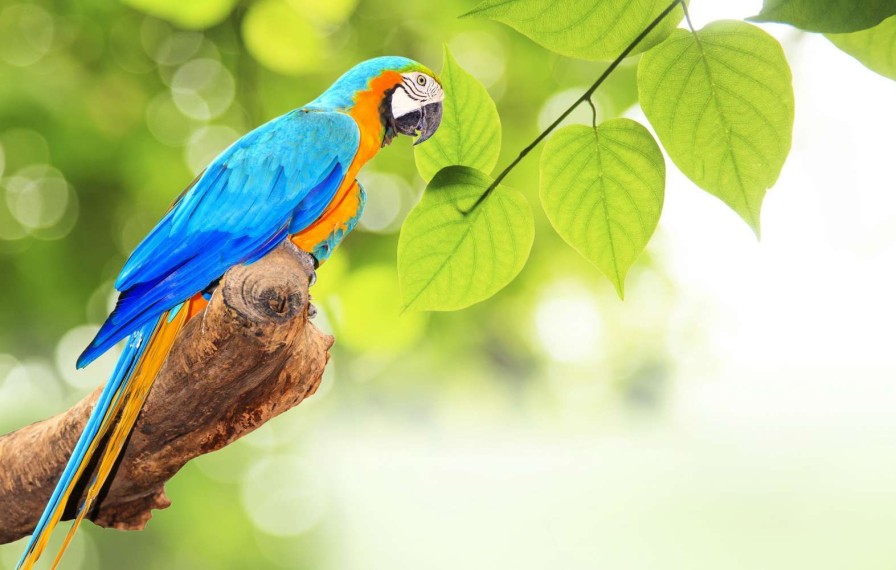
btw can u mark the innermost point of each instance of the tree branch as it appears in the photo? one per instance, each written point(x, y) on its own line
point(250, 356)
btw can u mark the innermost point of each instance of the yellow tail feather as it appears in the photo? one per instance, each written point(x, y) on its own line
point(129, 404)
point(122, 415)
point(40, 546)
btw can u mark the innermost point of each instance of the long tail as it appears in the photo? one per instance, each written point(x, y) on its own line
point(110, 423)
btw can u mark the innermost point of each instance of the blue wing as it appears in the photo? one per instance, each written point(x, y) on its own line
point(274, 181)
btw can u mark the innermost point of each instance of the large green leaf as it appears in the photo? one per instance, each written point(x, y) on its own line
point(834, 16)
point(602, 189)
point(721, 101)
point(598, 30)
point(875, 47)
point(470, 133)
point(448, 260)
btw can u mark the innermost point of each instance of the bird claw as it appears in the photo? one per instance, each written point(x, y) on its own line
point(313, 264)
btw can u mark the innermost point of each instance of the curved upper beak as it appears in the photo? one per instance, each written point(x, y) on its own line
point(431, 116)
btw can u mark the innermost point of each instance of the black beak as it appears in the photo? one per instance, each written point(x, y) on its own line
point(429, 122)
point(423, 121)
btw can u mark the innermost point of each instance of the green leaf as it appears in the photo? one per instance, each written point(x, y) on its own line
point(470, 133)
point(875, 48)
point(602, 189)
point(721, 102)
point(597, 30)
point(834, 16)
point(448, 260)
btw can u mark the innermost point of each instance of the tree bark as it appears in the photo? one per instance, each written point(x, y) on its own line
point(249, 356)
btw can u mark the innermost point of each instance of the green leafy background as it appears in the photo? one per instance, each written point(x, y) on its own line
point(734, 412)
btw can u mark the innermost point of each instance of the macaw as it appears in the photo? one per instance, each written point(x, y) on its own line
point(291, 178)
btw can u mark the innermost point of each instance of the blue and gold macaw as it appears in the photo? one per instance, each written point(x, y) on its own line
point(292, 178)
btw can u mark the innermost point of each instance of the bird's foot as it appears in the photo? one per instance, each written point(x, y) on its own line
point(312, 264)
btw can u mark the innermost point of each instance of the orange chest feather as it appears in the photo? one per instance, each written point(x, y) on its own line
point(344, 207)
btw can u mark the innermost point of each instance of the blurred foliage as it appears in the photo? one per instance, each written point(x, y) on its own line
point(827, 15)
point(108, 110)
point(874, 47)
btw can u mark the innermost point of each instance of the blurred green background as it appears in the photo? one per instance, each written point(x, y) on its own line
point(736, 411)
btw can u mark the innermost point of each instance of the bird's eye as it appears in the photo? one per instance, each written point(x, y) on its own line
point(421, 80)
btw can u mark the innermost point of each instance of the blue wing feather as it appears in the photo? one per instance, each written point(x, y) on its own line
point(274, 181)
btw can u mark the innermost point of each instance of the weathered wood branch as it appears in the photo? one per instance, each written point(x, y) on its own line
point(250, 356)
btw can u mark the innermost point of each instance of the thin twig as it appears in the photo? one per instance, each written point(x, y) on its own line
point(586, 96)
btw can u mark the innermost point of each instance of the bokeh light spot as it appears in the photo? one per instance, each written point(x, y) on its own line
point(38, 197)
point(27, 390)
point(284, 496)
point(328, 12)
point(282, 39)
point(206, 143)
point(194, 14)
point(481, 54)
point(26, 34)
point(202, 88)
point(165, 46)
point(385, 195)
point(70, 347)
point(166, 122)
point(568, 324)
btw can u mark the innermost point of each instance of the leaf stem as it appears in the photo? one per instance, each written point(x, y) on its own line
point(687, 17)
point(586, 96)
point(593, 112)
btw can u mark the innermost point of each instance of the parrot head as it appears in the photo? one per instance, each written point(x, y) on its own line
point(392, 95)
point(415, 105)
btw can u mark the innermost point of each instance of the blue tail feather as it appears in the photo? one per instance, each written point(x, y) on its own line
point(136, 345)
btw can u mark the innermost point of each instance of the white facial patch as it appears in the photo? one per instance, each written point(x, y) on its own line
point(402, 104)
point(416, 91)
